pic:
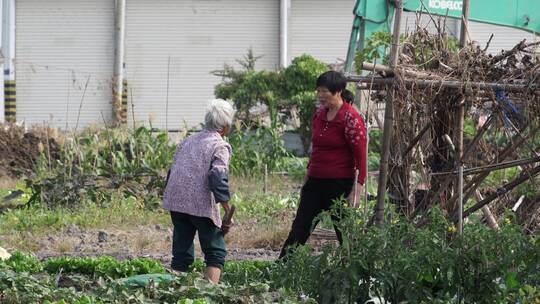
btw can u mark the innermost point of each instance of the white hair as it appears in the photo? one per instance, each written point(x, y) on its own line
point(219, 114)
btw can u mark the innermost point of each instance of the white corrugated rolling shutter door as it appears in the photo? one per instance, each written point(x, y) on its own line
point(181, 42)
point(64, 50)
point(321, 28)
point(504, 38)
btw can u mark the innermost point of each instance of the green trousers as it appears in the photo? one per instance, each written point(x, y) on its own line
point(210, 237)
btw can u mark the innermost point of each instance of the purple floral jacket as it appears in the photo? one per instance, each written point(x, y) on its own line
point(197, 159)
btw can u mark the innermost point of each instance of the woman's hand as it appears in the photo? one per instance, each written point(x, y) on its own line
point(357, 189)
point(227, 221)
point(225, 228)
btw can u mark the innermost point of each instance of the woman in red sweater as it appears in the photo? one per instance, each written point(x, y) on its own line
point(338, 137)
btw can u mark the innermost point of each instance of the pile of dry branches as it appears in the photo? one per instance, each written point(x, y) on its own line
point(435, 85)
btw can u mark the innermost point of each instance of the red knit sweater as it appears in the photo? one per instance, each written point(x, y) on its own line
point(339, 145)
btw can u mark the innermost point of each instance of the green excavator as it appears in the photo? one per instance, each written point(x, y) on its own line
point(376, 15)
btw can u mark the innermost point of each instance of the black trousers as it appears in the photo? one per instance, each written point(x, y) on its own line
point(317, 195)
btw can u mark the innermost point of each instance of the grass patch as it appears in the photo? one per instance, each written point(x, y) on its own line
point(276, 185)
point(121, 213)
point(262, 207)
point(263, 220)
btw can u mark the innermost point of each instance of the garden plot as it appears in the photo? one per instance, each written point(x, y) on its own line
point(87, 213)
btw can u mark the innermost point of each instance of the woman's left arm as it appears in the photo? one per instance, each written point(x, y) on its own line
point(218, 177)
point(355, 133)
point(218, 181)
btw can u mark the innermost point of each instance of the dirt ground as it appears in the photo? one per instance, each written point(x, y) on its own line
point(155, 242)
point(249, 240)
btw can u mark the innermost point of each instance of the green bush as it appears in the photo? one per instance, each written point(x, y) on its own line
point(253, 149)
point(374, 50)
point(286, 91)
point(306, 105)
point(300, 76)
point(401, 263)
point(97, 163)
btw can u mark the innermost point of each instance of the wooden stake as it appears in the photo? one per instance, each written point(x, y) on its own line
point(388, 120)
point(265, 186)
point(464, 36)
point(490, 219)
point(478, 136)
point(416, 139)
point(459, 162)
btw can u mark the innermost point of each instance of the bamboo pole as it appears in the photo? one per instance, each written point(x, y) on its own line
point(494, 167)
point(378, 82)
point(379, 68)
point(490, 219)
point(511, 147)
point(523, 177)
point(459, 158)
point(265, 182)
point(479, 135)
point(461, 117)
point(416, 139)
point(464, 35)
point(388, 120)
point(368, 129)
point(387, 71)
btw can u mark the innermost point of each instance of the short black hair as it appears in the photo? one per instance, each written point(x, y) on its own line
point(347, 96)
point(333, 81)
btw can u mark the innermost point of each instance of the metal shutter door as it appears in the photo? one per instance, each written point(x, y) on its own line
point(321, 28)
point(60, 45)
point(197, 37)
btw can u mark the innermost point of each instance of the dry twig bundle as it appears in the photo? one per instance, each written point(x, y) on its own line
point(501, 97)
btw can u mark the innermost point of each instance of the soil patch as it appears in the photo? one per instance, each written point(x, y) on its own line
point(19, 149)
point(152, 242)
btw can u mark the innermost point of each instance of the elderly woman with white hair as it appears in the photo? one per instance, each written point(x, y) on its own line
point(197, 183)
